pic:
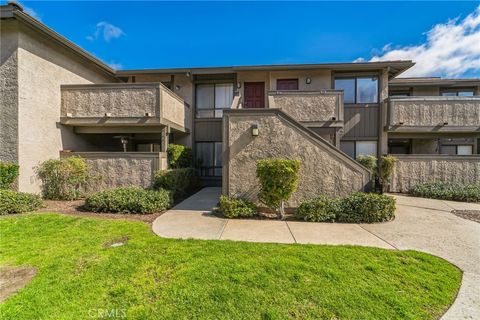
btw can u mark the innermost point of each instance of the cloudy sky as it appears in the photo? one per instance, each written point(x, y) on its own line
point(443, 38)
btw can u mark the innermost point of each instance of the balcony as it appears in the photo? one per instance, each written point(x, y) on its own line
point(122, 104)
point(312, 108)
point(434, 114)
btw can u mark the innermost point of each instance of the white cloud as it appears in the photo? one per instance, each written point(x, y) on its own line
point(450, 50)
point(107, 31)
point(115, 65)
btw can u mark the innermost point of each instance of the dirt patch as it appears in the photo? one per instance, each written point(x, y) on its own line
point(13, 279)
point(116, 242)
point(473, 215)
point(75, 208)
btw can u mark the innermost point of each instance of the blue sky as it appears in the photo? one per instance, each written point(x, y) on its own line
point(138, 35)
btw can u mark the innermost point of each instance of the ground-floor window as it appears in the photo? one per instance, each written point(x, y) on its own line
point(456, 149)
point(358, 148)
point(209, 158)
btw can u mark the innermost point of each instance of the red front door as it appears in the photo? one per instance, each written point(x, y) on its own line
point(254, 95)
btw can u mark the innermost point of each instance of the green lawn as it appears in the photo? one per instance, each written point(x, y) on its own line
point(150, 277)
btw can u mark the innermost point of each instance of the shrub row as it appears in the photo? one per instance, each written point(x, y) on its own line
point(356, 208)
point(129, 200)
point(233, 208)
point(179, 181)
point(18, 202)
point(8, 174)
point(447, 191)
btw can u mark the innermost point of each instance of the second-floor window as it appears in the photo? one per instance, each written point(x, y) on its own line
point(287, 84)
point(458, 93)
point(211, 99)
point(358, 90)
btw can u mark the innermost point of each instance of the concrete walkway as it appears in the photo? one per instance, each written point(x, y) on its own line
point(420, 224)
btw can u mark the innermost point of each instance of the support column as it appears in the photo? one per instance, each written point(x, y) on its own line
point(164, 137)
point(382, 134)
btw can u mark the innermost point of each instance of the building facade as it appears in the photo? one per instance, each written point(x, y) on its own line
point(58, 100)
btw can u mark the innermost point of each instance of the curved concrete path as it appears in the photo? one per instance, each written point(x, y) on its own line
point(421, 224)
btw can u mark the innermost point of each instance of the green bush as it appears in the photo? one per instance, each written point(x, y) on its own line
point(387, 164)
point(447, 191)
point(179, 181)
point(317, 210)
point(179, 156)
point(63, 179)
point(129, 200)
point(363, 207)
point(368, 161)
point(8, 174)
point(359, 207)
point(18, 202)
point(233, 208)
point(278, 181)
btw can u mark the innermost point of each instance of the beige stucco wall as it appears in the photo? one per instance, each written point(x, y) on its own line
point(108, 170)
point(8, 91)
point(308, 107)
point(323, 170)
point(173, 108)
point(122, 101)
point(42, 67)
point(432, 112)
point(320, 79)
point(410, 170)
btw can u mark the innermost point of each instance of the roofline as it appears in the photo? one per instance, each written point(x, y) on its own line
point(401, 65)
point(16, 11)
point(433, 81)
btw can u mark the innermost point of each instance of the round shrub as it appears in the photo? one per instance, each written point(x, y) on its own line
point(233, 208)
point(363, 207)
point(447, 191)
point(18, 202)
point(317, 210)
point(129, 200)
point(368, 161)
point(179, 156)
point(63, 179)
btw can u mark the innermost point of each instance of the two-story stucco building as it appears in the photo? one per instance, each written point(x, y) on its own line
point(58, 100)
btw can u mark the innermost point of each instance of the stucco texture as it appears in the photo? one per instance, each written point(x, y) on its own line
point(124, 101)
point(308, 107)
point(42, 67)
point(436, 112)
point(8, 92)
point(323, 170)
point(410, 170)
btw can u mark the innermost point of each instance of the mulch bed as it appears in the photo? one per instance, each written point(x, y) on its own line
point(473, 215)
point(75, 208)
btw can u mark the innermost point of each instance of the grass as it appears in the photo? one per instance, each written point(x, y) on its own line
point(79, 277)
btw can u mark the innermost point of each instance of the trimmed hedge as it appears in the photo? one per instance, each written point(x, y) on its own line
point(233, 208)
point(278, 181)
point(359, 207)
point(179, 181)
point(129, 200)
point(320, 209)
point(8, 174)
point(18, 202)
point(447, 191)
point(179, 156)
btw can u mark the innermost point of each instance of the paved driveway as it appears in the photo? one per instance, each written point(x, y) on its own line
point(420, 224)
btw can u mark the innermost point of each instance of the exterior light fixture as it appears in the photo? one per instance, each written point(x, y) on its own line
point(254, 130)
point(308, 80)
point(69, 115)
point(239, 85)
point(108, 114)
point(333, 118)
point(188, 74)
point(445, 123)
point(177, 87)
point(400, 123)
point(148, 114)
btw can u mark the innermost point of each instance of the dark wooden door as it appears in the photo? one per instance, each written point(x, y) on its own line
point(287, 84)
point(254, 95)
